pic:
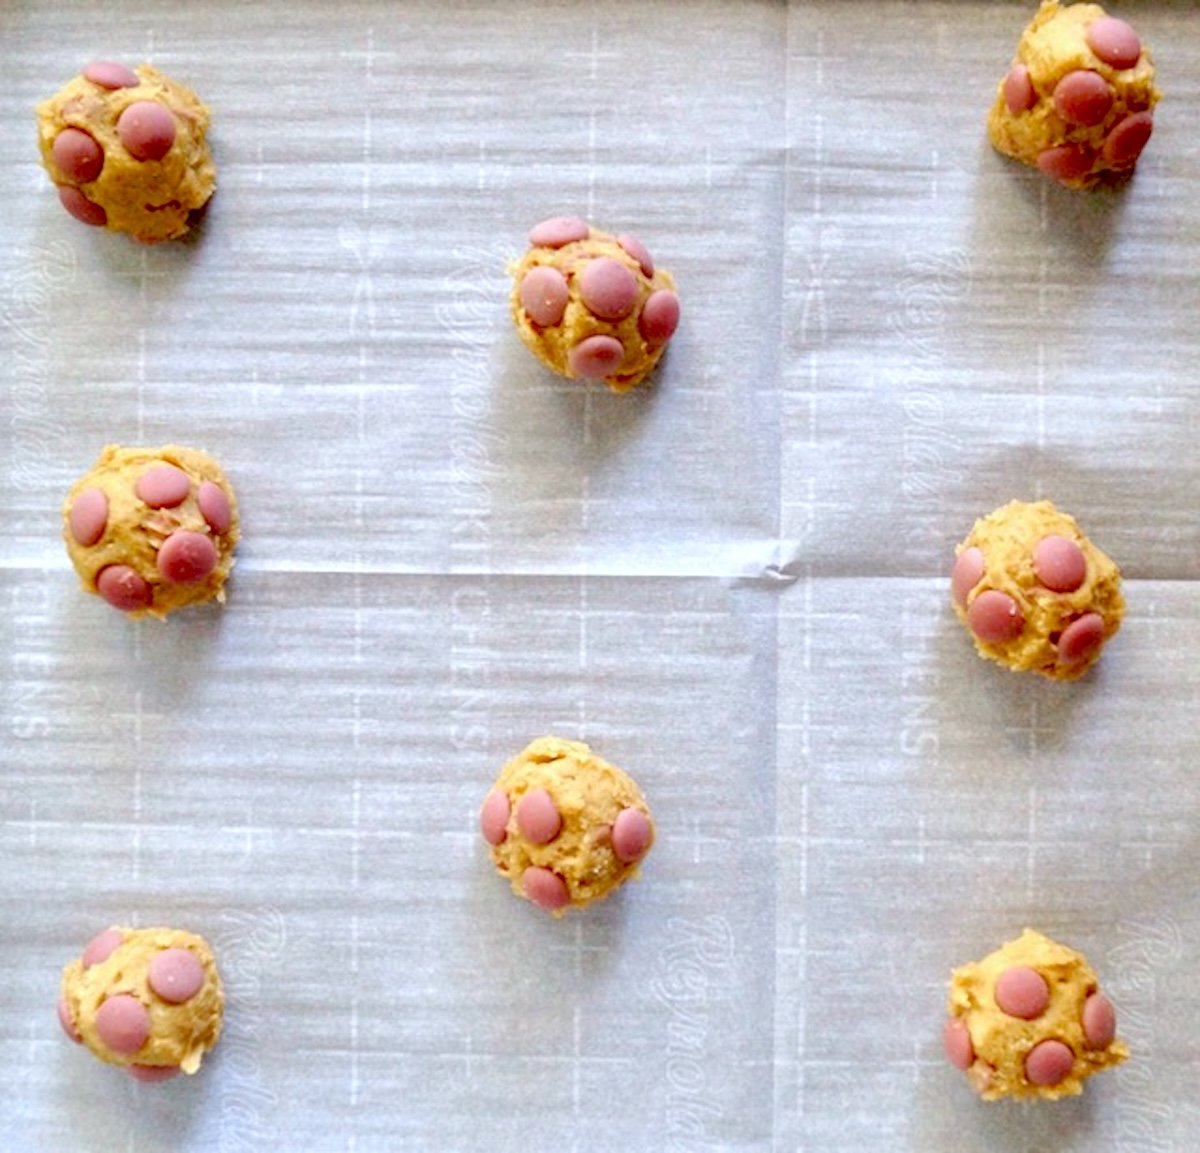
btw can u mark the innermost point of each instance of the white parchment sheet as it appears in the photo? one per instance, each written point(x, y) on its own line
point(733, 584)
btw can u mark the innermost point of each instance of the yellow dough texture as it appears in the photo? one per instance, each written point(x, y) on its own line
point(147, 186)
point(1035, 593)
point(1078, 100)
point(152, 530)
point(164, 999)
point(594, 307)
point(1056, 1028)
point(565, 827)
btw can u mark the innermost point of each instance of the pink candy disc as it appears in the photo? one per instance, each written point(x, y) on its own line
point(1019, 94)
point(80, 207)
point(557, 231)
point(596, 357)
point(78, 157)
point(187, 557)
point(123, 1023)
point(1048, 1062)
point(660, 316)
point(630, 835)
point(1059, 563)
point(994, 617)
point(608, 288)
point(1083, 98)
point(1125, 142)
point(163, 486)
point(109, 75)
point(1022, 992)
point(175, 975)
point(538, 818)
point(544, 888)
point(1067, 162)
point(123, 588)
point(1114, 42)
point(1081, 639)
point(64, 1019)
point(493, 817)
point(88, 517)
point(638, 251)
point(956, 1040)
point(147, 130)
point(544, 295)
point(968, 572)
point(1099, 1021)
point(152, 1073)
point(215, 507)
point(101, 947)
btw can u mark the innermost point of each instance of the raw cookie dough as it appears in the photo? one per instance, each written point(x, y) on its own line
point(1034, 592)
point(1029, 1020)
point(149, 1000)
point(152, 529)
point(1078, 101)
point(127, 151)
point(565, 826)
point(592, 305)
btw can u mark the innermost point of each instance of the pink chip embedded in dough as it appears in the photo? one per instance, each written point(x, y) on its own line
point(1099, 1021)
point(638, 251)
point(150, 1074)
point(995, 617)
point(1022, 992)
point(608, 288)
point(123, 1024)
point(493, 818)
point(1066, 162)
point(956, 1040)
point(1125, 142)
point(101, 947)
point(1114, 41)
point(64, 1019)
point(77, 155)
point(1081, 639)
point(1019, 93)
point(538, 817)
point(968, 572)
point(123, 588)
point(630, 835)
point(1049, 1062)
point(660, 316)
point(544, 888)
point(557, 231)
point(187, 557)
point(89, 516)
point(109, 75)
point(1059, 563)
point(215, 507)
point(80, 207)
point(163, 486)
point(596, 357)
point(1082, 97)
point(147, 130)
point(175, 975)
point(544, 295)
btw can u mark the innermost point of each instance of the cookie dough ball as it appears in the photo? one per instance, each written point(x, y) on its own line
point(149, 1000)
point(126, 150)
point(565, 826)
point(1034, 592)
point(152, 529)
point(1078, 101)
point(1029, 1020)
point(591, 305)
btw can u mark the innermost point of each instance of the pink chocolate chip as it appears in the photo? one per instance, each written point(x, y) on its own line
point(608, 288)
point(1081, 639)
point(493, 817)
point(101, 947)
point(956, 1040)
point(123, 588)
point(147, 130)
point(994, 617)
point(175, 975)
point(596, 357)
point(638, 251)
point(1022, 992)
point(1059, 563)
point(544, 295)
point(1099, 1021)
point(1048, 1062)
point(109, 75)
point(1018, 90)
point(545, 889)
point(1082, 97)
point(186, 557)
point(80, 207)
point(630, 835)
point(1125, 142)
point(64, 1019)
point(1067, 162)
point(89, 516)
point(660, 316)
point(123, 1023)
point(538, 817)
point(163, 486)
point(1114, 42)
point(77, 155)
point(968, 572)
point(557, 231)
point(215, 507)
point(152, 1073)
